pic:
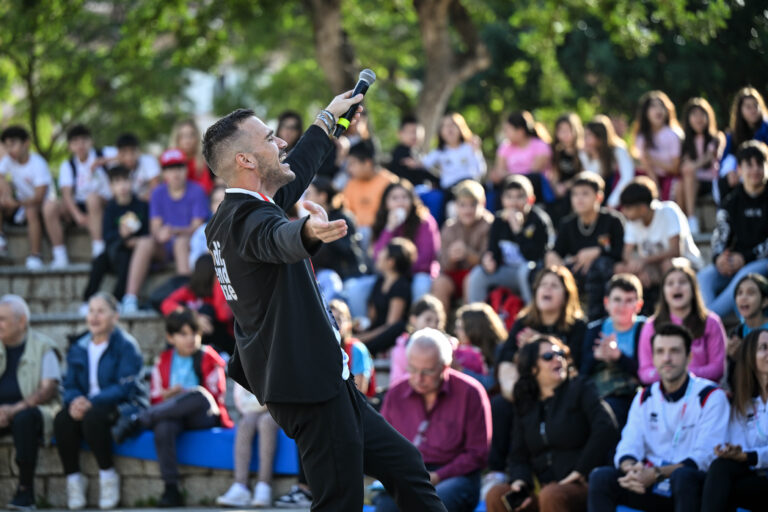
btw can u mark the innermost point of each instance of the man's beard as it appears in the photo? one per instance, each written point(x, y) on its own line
point(274, 175)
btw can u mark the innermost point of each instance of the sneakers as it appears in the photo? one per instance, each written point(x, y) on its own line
point(60, 259)
point(693, 223)
point(76, 485)
point(24, 499)
point(34, 262)
point(109, 491)
point(171, 497)
point(129, 304)
point(238, 495)
point(125, 427)
point(262, 495)
point(298, 497)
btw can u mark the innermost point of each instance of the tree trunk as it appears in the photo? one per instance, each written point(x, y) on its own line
point(335, 54)
point(445, 68)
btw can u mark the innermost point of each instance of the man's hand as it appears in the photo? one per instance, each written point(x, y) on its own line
point(526, 336)
point(733, 345)
point(319, 228)
point(80, 218)
point(457, 251)
point(585, 258)
point(607, 349)
point(79, 407)
point(434, 478)
point(572, 478)
point(341, 103)
point(638, 478)
point(164, 234)
point(733, 178)
point(172, 391)
point(206, 324)
point(731, 451)
point(489, 264)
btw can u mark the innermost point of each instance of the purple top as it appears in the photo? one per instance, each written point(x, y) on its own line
point(457, 436)
point(178, 213)
point(427, 242)
point(707, 352)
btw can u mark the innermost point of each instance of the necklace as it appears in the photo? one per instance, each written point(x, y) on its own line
point(584, 229)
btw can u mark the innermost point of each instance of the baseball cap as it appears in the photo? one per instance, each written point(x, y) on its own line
point(172, 158)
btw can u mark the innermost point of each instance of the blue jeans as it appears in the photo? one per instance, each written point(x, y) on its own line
point(458, 494)
point(605, 493)
point(717, 289)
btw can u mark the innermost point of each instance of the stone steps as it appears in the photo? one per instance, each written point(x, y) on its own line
point(146, 326)
point(76, 238)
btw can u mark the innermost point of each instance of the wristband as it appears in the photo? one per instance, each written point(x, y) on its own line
point(333, 118)
point(321, 117)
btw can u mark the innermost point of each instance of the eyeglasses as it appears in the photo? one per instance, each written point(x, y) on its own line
point(420, 433)
point(431, 372)
point(548, 356)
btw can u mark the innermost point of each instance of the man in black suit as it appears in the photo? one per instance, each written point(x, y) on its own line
point(288, 351)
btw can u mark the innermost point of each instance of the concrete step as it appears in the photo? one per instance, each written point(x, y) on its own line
point(706, 211)
point(76, 238)
point(146, 326)
point(61, 290)
point(704, 243)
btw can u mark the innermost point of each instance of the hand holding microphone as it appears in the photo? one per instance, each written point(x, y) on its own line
point(346, 106)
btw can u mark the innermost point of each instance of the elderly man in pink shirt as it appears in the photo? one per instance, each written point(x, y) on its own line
point(447, 416)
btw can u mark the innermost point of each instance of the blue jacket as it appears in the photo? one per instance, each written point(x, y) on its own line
point(118, 371)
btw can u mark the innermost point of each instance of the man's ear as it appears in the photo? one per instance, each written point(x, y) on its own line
point(243, 160)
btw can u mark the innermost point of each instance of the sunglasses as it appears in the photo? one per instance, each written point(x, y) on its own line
point(548, 356)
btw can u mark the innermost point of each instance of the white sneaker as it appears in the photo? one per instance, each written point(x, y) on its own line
point(129, 305)
point(693, 223)
point(34, 263)
point(60, 261)
point(237, 495)
point(76, 486)
point(109, 492)
point(262, 495)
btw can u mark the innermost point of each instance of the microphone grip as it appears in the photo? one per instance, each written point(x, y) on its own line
point(343, 123)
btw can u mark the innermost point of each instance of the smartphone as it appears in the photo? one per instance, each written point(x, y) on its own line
point(514, 499)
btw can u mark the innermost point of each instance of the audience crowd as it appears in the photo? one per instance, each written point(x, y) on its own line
point(554, 337)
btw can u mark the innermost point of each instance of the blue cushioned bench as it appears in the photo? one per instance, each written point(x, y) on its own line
point(212, 448)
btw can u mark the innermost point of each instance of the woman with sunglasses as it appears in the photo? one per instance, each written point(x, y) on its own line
point(561, 431)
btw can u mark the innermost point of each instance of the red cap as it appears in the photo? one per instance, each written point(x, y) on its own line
point(172, 157)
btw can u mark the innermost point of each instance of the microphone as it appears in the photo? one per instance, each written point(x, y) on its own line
point(364, 81)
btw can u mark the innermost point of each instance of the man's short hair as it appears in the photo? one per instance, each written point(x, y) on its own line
point(752, 150)
point(127, 140)
point(625, 282)
point(589, 179)
point(470, 189)
point(432, 338)
point(363, 151)
point(221, 132)
point(79, 130)
point(640, 191)
point(17, 304)
point(671, 329)
point(518, 182)
point(14, 132)
point(118, 172)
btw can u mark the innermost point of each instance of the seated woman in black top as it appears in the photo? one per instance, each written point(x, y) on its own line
point(562, 430)
point(390, 299)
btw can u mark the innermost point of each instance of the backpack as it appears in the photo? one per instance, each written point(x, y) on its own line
point(506, 304)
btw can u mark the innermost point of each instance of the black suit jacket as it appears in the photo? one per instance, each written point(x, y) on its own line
point(287, 348)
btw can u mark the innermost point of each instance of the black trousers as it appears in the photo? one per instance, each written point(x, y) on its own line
point(730, 484)
point(26, 428)
point(115, 258)
point(94, 429)
point(191, 410)
point(592, 283)
point(344, 438)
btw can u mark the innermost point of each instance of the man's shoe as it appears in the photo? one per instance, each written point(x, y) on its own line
point(24, 499)
point(298, 497)
point(171, 497)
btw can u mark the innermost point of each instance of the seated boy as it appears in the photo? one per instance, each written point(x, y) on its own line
point(520, 236)
point(176, 209)
point(740, 240)
point(84, 192)
point(145, 170)
point(126, 221)
point(187, 392)
point(22, 196)
point(609, 356)
point(656, 232)
point(464, 239)
point(403, 164)
point(589, 241)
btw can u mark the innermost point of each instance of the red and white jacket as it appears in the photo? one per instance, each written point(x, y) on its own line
point(209, 368)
